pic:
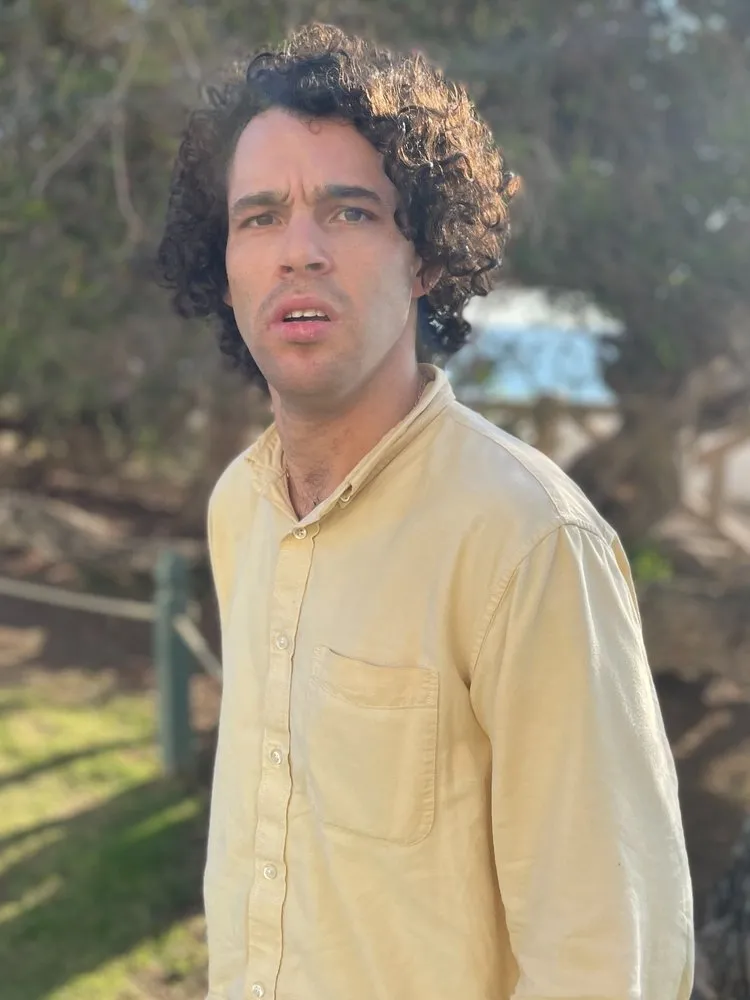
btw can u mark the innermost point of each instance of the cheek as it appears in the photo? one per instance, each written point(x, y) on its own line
point(243, 272)
point(404, 263)
point(402, 274)
point(230, 266)
point(233, 261)
point(387, 269)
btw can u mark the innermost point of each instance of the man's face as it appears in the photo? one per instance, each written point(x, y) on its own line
point(311, 227)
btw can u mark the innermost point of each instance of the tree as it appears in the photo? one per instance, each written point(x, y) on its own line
point(629, 121)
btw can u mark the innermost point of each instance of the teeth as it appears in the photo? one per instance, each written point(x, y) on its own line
point(306, 314)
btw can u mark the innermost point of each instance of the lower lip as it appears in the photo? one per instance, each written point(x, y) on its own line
point(303, 332)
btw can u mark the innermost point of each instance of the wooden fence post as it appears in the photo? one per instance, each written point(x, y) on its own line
point(172, 663)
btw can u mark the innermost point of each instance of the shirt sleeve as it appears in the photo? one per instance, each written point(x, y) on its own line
point(588, 838)
point(213, 548)
point(220, 549)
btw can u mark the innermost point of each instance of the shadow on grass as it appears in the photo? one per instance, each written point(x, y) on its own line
point(11, 707)
point(63, 759)
point(92, 887)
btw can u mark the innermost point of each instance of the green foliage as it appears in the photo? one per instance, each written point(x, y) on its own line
point(650, 565)
point(630, 125)
point(100, 859)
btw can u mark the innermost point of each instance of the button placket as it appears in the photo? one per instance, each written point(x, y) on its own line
point(264, 926)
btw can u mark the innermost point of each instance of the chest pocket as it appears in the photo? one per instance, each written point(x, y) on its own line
point(371, 746)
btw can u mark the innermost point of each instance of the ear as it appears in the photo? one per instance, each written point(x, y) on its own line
point(227, 296)
point(425, 279)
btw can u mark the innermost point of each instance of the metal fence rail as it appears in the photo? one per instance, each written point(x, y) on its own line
point(41, 593)
point(177, 643)
point(195, 641)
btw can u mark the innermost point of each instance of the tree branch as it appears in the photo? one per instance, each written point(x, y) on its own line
point(136, 228)
point(98, 119)
point(180, 37)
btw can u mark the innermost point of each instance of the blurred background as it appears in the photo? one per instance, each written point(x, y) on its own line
point(618, 341)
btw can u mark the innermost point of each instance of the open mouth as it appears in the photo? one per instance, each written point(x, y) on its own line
point(306, 316)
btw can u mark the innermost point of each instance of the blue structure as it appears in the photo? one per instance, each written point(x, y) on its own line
point(539, 361)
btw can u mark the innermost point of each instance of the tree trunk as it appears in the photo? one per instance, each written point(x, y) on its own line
point(634, 478)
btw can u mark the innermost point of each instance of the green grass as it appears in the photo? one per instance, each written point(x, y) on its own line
point(100, 859)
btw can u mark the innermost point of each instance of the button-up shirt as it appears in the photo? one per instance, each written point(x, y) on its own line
point(442, 770)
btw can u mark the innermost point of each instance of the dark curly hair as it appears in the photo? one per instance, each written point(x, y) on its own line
point(453, 188)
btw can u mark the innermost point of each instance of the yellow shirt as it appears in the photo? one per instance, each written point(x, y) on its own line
point(442, 772)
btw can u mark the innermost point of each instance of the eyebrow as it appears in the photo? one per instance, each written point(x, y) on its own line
point(329, 192)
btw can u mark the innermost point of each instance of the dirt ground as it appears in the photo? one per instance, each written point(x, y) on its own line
point(708, 722)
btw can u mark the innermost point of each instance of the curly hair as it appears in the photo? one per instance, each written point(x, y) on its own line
point(453, 188)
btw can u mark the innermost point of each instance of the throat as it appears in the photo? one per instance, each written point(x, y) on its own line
point(321, 449)
point(316, 457)
point(307, 493)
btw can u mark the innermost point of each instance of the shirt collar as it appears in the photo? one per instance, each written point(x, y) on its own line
point(264, 456)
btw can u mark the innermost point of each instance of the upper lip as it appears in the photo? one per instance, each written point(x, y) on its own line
point(294, 303)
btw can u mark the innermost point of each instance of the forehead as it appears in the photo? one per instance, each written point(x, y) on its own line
point(278, 150)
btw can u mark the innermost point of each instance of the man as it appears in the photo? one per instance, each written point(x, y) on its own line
point(441, 771)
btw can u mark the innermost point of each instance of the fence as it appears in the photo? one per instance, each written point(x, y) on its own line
point(175, 637)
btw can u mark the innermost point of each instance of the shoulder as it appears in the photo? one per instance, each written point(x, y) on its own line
point(228, 488)
point(512, 482)
point(232, 503)
point(229, 503)
point(252, 465)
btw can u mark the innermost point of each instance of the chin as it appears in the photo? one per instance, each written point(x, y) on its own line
point(309, 385)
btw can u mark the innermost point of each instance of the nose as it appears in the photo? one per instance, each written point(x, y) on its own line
point(304, 249)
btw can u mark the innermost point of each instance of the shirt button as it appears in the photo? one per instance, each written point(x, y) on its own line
point(258, 990)
point(270, 872)
point(300, 532)
point(281, 641)
point(276, 756)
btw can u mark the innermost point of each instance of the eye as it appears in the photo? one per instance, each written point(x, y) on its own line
point(354, 214)
point(258, 221)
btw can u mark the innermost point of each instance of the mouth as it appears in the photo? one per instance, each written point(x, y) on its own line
point(306, 316)
point(303, 319)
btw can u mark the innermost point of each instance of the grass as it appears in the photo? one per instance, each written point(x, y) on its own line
point(100, 859)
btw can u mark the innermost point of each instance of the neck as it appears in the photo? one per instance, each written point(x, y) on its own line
point(320, 450)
